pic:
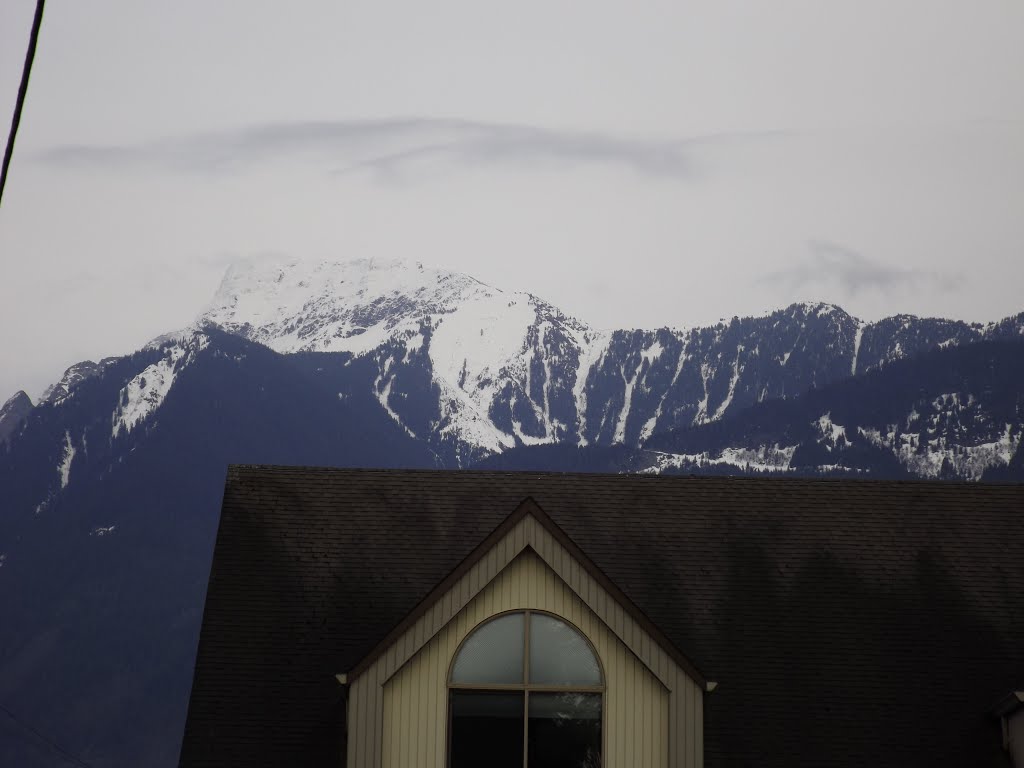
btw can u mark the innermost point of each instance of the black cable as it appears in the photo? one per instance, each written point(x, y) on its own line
point(63, 752)
point(30, 54)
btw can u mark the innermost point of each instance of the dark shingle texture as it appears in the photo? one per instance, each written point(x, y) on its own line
point(848, 623)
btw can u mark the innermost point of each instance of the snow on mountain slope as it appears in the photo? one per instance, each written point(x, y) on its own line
point(145, 393)
point(951, 436)
point(475, 370)
point(509, 369)
point(764, 458)
point(73, 376)
point(489, 353)
point(336, 306)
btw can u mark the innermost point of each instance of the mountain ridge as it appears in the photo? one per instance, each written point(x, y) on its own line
point(510, 369)
point(950, 413)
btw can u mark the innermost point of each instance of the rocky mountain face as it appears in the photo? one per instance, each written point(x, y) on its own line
point(15, 411)
point(72, 377)
point(505, 370)
point(13, 414)
point(498, 368)
point(951, 414)
point(954, 413)
point(110, 485)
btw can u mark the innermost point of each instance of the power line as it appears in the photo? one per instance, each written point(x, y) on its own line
point(30, 55)
point(63, 752)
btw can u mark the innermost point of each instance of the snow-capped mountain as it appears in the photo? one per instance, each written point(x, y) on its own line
point(474, 371)
point(949, 413)
point(510, 369)
point(110, 485)
point(477, 346)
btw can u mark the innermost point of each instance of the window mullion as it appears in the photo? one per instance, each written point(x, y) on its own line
point(526, 692)
point(526, 647)
point(526, 729)
point(548, 691)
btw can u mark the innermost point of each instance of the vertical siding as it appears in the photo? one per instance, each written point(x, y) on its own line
point(636, 704)
point(371, 742)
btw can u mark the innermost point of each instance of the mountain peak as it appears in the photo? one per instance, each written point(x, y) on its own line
point(73, 376)
point(13, 413)
point(18, 400)
point(334, 305)
point(817, 308)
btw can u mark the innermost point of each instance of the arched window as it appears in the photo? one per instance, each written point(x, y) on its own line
point(525, 689)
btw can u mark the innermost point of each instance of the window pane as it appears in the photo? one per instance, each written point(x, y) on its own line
point(487, 730)
point(565, 730)
point(493, 653)
point(559, 655)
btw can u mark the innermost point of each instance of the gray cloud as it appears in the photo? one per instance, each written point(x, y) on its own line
point(390, 146)
point(833, 266)
point(522, 145)
point(242, 148)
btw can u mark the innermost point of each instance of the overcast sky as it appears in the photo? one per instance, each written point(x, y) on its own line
point(636, 163)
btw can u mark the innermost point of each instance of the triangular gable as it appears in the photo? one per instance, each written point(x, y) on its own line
point(528, 527)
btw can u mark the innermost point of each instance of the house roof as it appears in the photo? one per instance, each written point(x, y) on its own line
point(529, 507)
point(846, 622)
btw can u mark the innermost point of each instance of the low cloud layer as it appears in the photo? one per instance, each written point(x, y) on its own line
point(833, 267)
point(389, 147)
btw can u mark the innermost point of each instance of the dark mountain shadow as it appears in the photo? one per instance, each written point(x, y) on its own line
point(103, 588)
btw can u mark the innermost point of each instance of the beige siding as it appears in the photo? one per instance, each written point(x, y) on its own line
point(368, 740)
point(415, 699)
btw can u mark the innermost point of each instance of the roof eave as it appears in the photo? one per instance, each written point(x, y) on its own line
point(1009, 704)
point(528, 506)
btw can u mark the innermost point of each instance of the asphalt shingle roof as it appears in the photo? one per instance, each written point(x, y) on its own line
point(848, 623)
